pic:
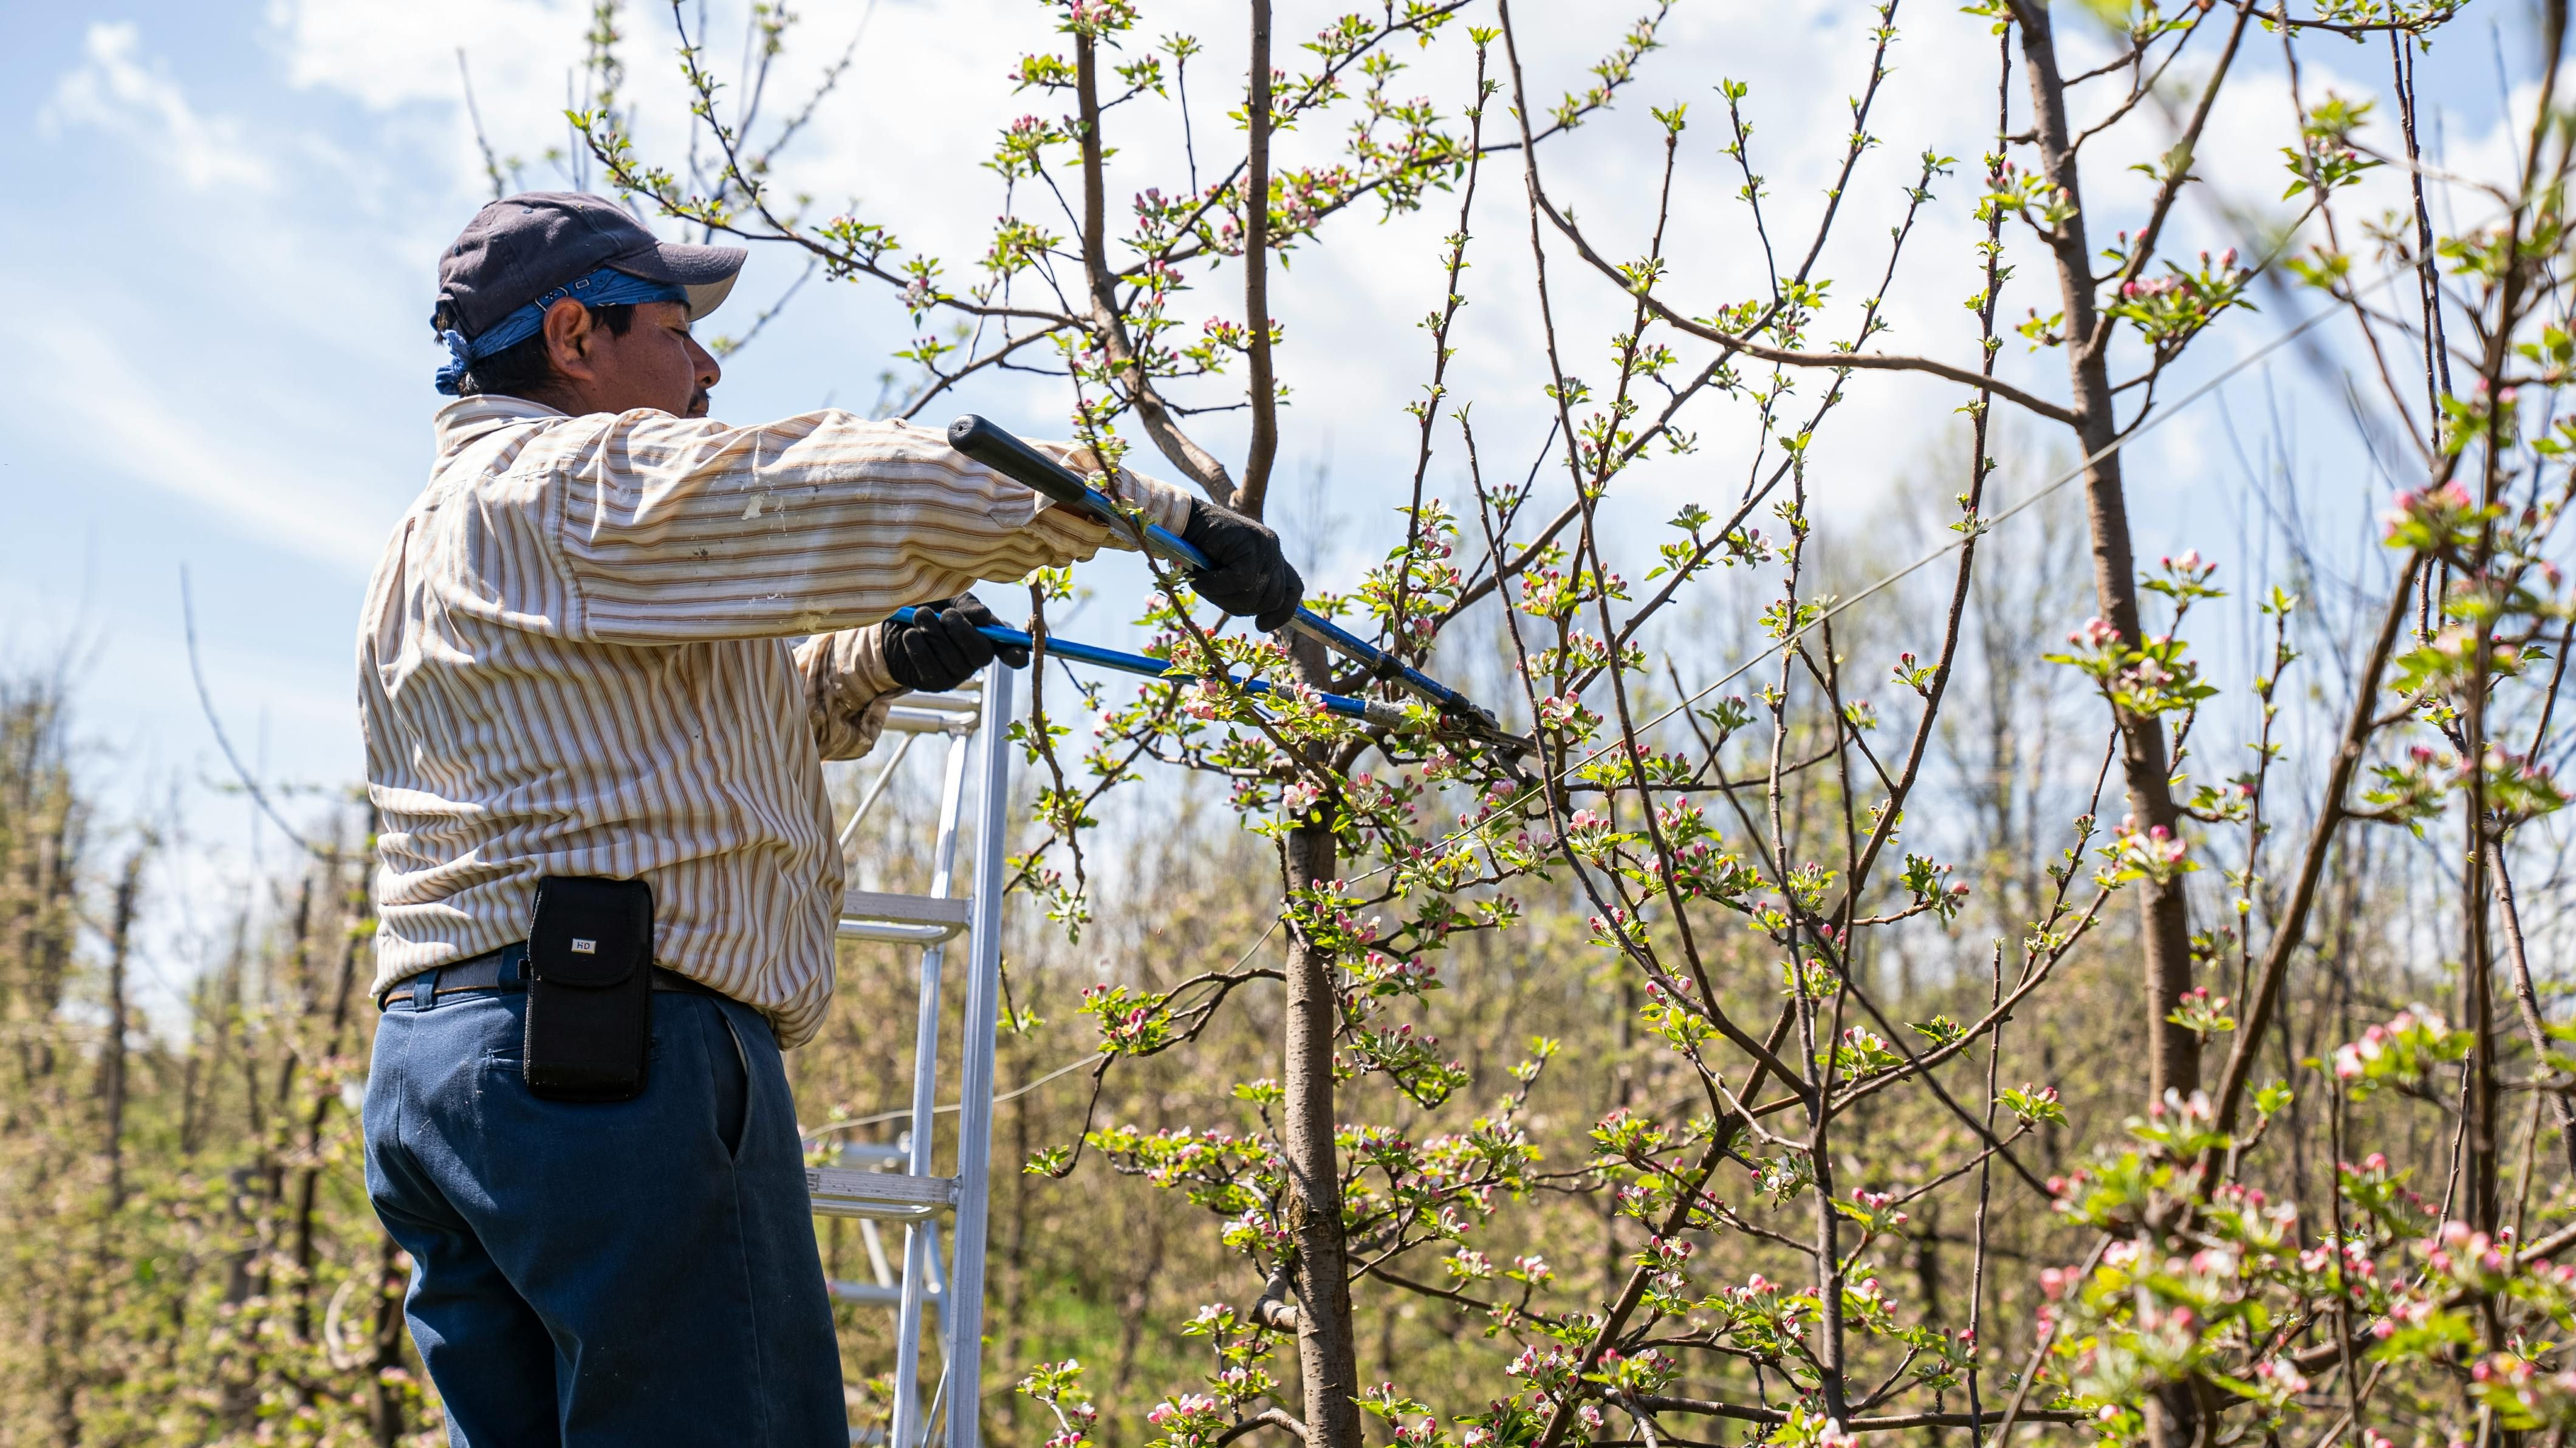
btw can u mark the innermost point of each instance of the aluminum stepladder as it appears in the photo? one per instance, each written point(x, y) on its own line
point(915, 1196)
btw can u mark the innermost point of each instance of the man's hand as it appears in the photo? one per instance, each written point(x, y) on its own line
point(1246, 574)
point(940, 649)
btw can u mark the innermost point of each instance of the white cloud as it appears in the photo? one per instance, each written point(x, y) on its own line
point(390, 55)
point(265, 484)
point(402, 63)
point(114, 91)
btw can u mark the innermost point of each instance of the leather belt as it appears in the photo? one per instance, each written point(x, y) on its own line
point(502, 971)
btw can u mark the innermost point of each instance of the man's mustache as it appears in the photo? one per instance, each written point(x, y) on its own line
point(698, 403)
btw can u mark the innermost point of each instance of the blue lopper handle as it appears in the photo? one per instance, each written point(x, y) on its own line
point(1154, 668)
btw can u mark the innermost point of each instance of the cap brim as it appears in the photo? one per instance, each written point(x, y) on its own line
point(707, 273)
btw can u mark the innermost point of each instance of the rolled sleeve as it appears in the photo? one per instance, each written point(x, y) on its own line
point(847, 690)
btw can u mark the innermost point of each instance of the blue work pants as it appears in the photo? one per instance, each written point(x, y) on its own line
point(638, 1272)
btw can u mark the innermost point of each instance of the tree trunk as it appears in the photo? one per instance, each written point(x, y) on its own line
point(1326, 1354)
point(111, 1064)
point(2164, 925)
point(2479, 1201)
point(386, 1415)
point(308, 1176)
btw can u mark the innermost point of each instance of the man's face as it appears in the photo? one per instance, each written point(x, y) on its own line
point(655, 364)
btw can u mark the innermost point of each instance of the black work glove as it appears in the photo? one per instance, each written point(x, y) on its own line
point(1245, 573)
point(940, 648)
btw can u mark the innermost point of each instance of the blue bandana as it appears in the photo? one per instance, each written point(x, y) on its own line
point(606, 287)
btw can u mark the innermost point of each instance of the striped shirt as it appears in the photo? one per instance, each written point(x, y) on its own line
point(575, 659)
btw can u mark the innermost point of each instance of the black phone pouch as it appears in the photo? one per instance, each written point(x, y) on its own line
point(590, 988)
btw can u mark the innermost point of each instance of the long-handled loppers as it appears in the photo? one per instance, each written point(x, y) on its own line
point(1016, 460)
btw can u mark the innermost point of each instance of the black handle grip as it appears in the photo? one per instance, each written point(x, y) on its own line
point(1016, 460)
point(1021, 463)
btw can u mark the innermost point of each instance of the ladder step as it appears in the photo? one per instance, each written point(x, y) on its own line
point(967, 704)
point(881, 1196)
point(935, 714)
point(905, 909)
point(901, 720)
point(902, 919)
point(947, 702)
point(897, 934)
point(889, 1296)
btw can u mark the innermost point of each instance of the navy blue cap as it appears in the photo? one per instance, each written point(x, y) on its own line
point(521, 247)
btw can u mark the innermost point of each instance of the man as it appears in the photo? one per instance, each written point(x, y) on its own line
point(574, 665)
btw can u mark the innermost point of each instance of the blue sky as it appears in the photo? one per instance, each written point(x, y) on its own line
point(222, 259)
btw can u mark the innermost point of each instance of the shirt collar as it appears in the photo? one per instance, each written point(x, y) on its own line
point(458, 424)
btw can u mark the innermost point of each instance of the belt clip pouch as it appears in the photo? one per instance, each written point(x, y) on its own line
point(590, 988)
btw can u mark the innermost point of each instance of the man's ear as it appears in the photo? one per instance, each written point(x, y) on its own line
point(569, 334)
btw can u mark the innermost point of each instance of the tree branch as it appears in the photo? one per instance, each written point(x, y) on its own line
point(1863, 361)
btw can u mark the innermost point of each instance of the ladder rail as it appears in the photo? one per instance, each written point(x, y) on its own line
point(925, 1083)
point(911, 1193)
point(965, 1295)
